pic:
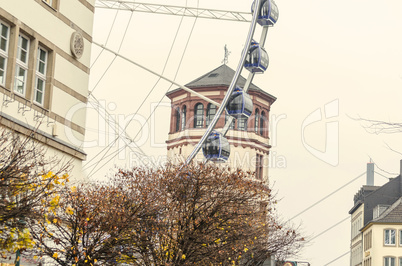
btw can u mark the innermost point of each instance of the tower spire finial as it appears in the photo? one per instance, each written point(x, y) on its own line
point(227, 53)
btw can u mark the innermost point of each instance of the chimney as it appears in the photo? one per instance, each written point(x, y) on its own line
point(370, 174)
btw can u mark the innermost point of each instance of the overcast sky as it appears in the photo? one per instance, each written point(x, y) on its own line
point(330, 61)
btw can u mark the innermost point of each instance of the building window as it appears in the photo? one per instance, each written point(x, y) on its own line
point(389, 261)
point(259, 166)
point(51, 3)
point(262, 117)
point(400, 238)
point(367, 240)
point(367, 262)
point(40, 77)
point(400, 262)
point(21, 68)
point(199, 115)
point(211, 111)
point(177, 114)
point(257, 118)
point(4, 41)
point(242, 123)
point(183, 117)
point(232, 125)
point(389, 237)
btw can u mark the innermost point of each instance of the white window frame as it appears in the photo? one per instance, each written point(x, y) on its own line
point(4, 53)
point(49, 2)
point(389, 233)
point(388, 261)
point(39, 76)
point(400, 239)
point(19, 64)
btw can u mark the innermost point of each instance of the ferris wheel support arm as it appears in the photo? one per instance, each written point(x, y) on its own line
point(231, 87)
point(174, 10)
point(159, 75)
point(248, 81)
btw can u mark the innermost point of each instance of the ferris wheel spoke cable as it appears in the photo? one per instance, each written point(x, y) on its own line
point(149, 93)
point(185, 49)
point(188, 40)
point(110, 64)
point(177, 71)
point(105, 117)
point(107, 39)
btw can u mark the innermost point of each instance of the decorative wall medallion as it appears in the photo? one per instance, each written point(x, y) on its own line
point(77, 44)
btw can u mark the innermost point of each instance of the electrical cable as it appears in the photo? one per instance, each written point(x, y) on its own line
point(328, 263)
point(324, 198)
point(329, 228)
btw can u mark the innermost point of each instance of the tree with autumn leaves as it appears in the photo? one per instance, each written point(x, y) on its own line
point(198, 214)
point(25, 183)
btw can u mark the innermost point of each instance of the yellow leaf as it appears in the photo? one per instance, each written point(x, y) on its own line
point(183, 257)
point(69, 210)
point(55, 255)
point(74, 189)
point(87, 219)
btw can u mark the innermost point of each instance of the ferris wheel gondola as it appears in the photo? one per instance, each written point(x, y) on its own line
point(216, 148)
point(269, 13)
point(240, 104)
point(257, 59)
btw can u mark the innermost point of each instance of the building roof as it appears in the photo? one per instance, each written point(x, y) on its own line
point(392, 215)
point(372, 196)
point(221, 76)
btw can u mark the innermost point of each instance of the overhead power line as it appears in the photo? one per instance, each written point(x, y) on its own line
point(175, 10)
point(327, 196)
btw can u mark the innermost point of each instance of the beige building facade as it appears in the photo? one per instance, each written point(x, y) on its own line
point(45, 48)
point(190, 116)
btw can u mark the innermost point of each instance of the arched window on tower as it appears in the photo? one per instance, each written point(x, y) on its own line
point(257, 119)
point(177, 114)
point(211, 111)
point(199, 115)
point(262, 123)
point(183, 117)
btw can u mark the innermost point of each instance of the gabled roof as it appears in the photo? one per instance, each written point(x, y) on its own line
point(392, 215)
point(221, 76)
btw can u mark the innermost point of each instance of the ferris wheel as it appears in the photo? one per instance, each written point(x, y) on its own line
point(254, 58)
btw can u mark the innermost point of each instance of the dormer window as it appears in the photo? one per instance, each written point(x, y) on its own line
point(378, 210)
